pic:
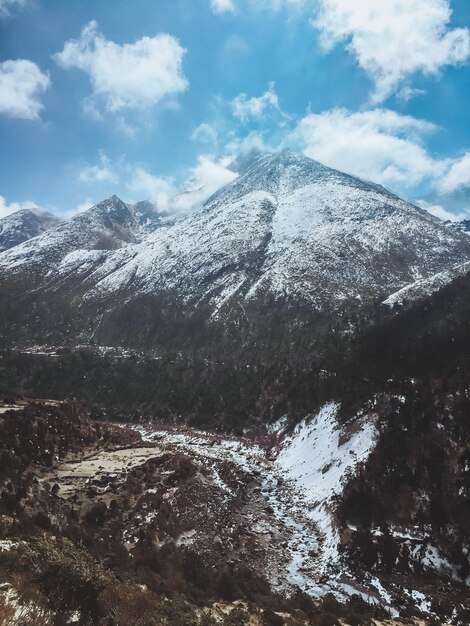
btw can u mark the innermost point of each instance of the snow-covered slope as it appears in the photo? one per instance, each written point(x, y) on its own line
point(423, 288)
point(24, 225)
point(319, 456)
point(464, 226)
point(287, 229)
point(106, 226)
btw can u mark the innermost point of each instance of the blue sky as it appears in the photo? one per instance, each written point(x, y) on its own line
point(144, 98)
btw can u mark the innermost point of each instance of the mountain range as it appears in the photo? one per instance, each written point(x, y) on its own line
point(287, 233)
point(290, 359)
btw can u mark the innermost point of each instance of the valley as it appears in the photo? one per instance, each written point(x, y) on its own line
point(258, 410)
point(264, 503)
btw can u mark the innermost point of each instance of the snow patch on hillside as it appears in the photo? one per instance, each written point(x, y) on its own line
point(424, 288)
point(318, 457)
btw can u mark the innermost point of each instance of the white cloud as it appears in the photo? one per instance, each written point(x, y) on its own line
point(393, 39)
point(245, 108)
point(130, 130)
point(205, 133)
point(442, 213)
point(253, 141)
point(160, 191)
point(102, 172)
point(457, 176)
point(13, 207)
point(378, 145)
point(81, 207)
point(407, 93)
point(6, 5)
point(134, 76)
point(208, 175)
point(222, 6)
point(21, 85)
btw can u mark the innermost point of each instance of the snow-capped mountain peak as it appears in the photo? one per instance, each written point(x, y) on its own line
point(286, 229)
point(23, 225)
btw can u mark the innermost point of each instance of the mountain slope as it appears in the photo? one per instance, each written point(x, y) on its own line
point(427, 286)
point(287, 230)
point(106, 226)
point(23, 225)
point(464, 226)
point(291, 228)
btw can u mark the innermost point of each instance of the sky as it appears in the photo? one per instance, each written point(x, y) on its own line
point(146, 98)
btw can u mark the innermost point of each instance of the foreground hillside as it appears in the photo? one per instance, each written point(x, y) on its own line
point(100, 527)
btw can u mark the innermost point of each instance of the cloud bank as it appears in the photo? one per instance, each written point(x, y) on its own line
point(126, 76)
point(393, 39)
point(22, 84)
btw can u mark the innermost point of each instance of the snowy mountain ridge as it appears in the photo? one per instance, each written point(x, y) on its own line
point(25, 224)
point(463, 226)
point(286, 229)
point(427, 286)
point(106, 226)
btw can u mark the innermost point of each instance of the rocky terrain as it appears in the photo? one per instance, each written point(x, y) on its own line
point(463, 226)
point(155, 525)
point(422, 288)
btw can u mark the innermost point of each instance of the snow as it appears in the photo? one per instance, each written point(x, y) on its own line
point(318, 457)
point(289, 508)
point(299, 485)
point(111, 223)
point(315, 458)
point(287, 226)
point(279, 425)
point(426, 287)
point(187, 538)
point(430, 557)
point(23, 225)
point(421, 601)
point(7, 544)
point(23, 611)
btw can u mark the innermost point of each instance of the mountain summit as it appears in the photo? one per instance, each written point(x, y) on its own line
point(287, 230)
point(23, 225)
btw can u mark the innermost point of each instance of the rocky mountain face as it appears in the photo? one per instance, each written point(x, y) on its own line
point(287, 231)
point(464, 226)
point(24, 225)
point(420, 289)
